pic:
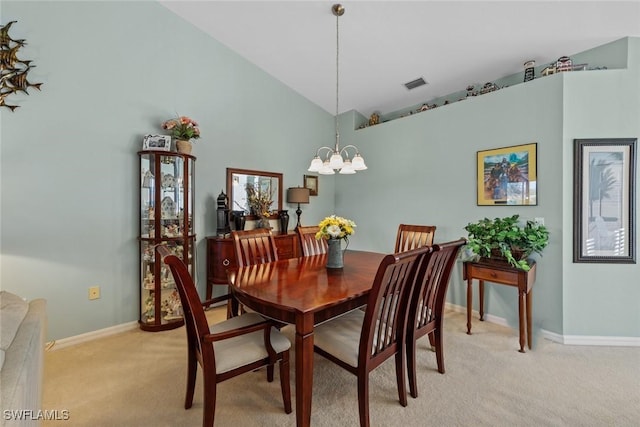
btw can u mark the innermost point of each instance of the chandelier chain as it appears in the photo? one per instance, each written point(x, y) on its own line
point(337, 77)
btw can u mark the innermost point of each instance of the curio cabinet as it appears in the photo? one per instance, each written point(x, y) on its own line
point(166, 218)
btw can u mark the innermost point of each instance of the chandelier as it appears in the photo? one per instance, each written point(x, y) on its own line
point(336, 158)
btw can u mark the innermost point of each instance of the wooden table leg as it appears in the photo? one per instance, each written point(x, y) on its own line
point(529, 326)
point(304, 370)
point(481, 295)
point(521, 318)
point(469, 303)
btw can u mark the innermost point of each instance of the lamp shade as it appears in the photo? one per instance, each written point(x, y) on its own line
point(298, 195)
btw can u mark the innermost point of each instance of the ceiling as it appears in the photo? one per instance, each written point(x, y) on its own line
point(384, 44)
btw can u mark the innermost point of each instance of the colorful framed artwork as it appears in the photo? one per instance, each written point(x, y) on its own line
point(604, 200)
point(508, 176)
point(157, 142)
point(311, 182)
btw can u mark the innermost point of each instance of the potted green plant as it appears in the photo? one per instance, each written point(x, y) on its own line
point(507, 238)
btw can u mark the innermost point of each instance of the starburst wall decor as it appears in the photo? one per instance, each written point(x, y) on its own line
point(13, 71)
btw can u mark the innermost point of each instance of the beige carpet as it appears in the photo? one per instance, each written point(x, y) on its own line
point(138, 379)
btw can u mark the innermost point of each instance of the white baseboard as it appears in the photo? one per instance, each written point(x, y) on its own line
point(552, 336)
point(90, 336)
point(562, 339)
point(606, 341)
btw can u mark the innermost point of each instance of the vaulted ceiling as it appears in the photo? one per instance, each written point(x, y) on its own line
point(384, 44)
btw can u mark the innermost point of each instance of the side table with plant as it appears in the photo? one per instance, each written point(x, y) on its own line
point(507, 238)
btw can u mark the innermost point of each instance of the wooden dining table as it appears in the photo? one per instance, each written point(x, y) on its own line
point(303, 292)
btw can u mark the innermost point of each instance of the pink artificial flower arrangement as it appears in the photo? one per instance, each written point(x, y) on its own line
point(182, 128)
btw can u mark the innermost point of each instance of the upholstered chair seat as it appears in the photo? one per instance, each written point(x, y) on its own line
point(242, 350)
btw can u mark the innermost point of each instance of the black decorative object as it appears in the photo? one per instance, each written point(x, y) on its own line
point(223, 215)
point(13, 71)
point(529, 70)
point(284, 221)
point(239, 219)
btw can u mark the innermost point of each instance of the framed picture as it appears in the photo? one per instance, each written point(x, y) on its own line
point(311, 182)
point(508, 176)
point(156, 142)
point(604, 200)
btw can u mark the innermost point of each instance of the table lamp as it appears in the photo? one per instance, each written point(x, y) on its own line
point(298, 195)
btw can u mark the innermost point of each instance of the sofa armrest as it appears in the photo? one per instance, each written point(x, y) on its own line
point(22, 373)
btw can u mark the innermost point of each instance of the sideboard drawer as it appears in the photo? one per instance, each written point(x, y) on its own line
point(494, 275)
point(220, 256)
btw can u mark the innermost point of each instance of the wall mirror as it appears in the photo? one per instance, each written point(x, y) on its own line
point(241, 182)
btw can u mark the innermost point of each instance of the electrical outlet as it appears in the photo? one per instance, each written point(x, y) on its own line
point(539, 220)
point(94, 292)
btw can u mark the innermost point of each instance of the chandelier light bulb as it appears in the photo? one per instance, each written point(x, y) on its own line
point(336, 161)
point(316, 164)
point(347, 169)
point(326, 169)
point(358, 163)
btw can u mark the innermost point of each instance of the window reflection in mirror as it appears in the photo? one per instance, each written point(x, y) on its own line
point(264, 183)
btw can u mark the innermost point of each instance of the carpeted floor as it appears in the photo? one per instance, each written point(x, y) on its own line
point(138, 379)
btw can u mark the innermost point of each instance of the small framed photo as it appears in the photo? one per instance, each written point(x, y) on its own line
point(156, 142)
point(604, 200)
point(311, 182)
point(508, 176)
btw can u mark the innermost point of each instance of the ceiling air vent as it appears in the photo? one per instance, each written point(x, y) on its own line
point(415, 83)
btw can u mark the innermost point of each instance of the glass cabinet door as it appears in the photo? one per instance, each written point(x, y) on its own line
point(166, 217)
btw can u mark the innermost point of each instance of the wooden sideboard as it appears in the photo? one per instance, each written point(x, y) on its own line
point(221, 255)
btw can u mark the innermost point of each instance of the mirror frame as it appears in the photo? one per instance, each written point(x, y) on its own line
point(277, 202)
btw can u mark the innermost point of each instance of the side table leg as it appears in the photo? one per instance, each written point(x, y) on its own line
point(469, 303)
point(481, 300)
point(521, 308)
point(529, 326)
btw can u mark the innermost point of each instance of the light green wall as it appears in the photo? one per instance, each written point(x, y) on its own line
point(112, 72)
point(422, 169)
point(600, 299)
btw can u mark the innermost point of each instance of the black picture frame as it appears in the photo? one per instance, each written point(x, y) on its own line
point(604, 200)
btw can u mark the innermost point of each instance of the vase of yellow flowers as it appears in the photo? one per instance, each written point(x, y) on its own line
point(335, 229)
point(183, 130)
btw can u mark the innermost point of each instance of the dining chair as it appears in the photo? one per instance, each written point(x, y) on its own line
point(228, 348)
point(359, 341)
point(310, 245)
point(252, 247)
point(426, 306)
point(413, 236)
point(255, 246)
